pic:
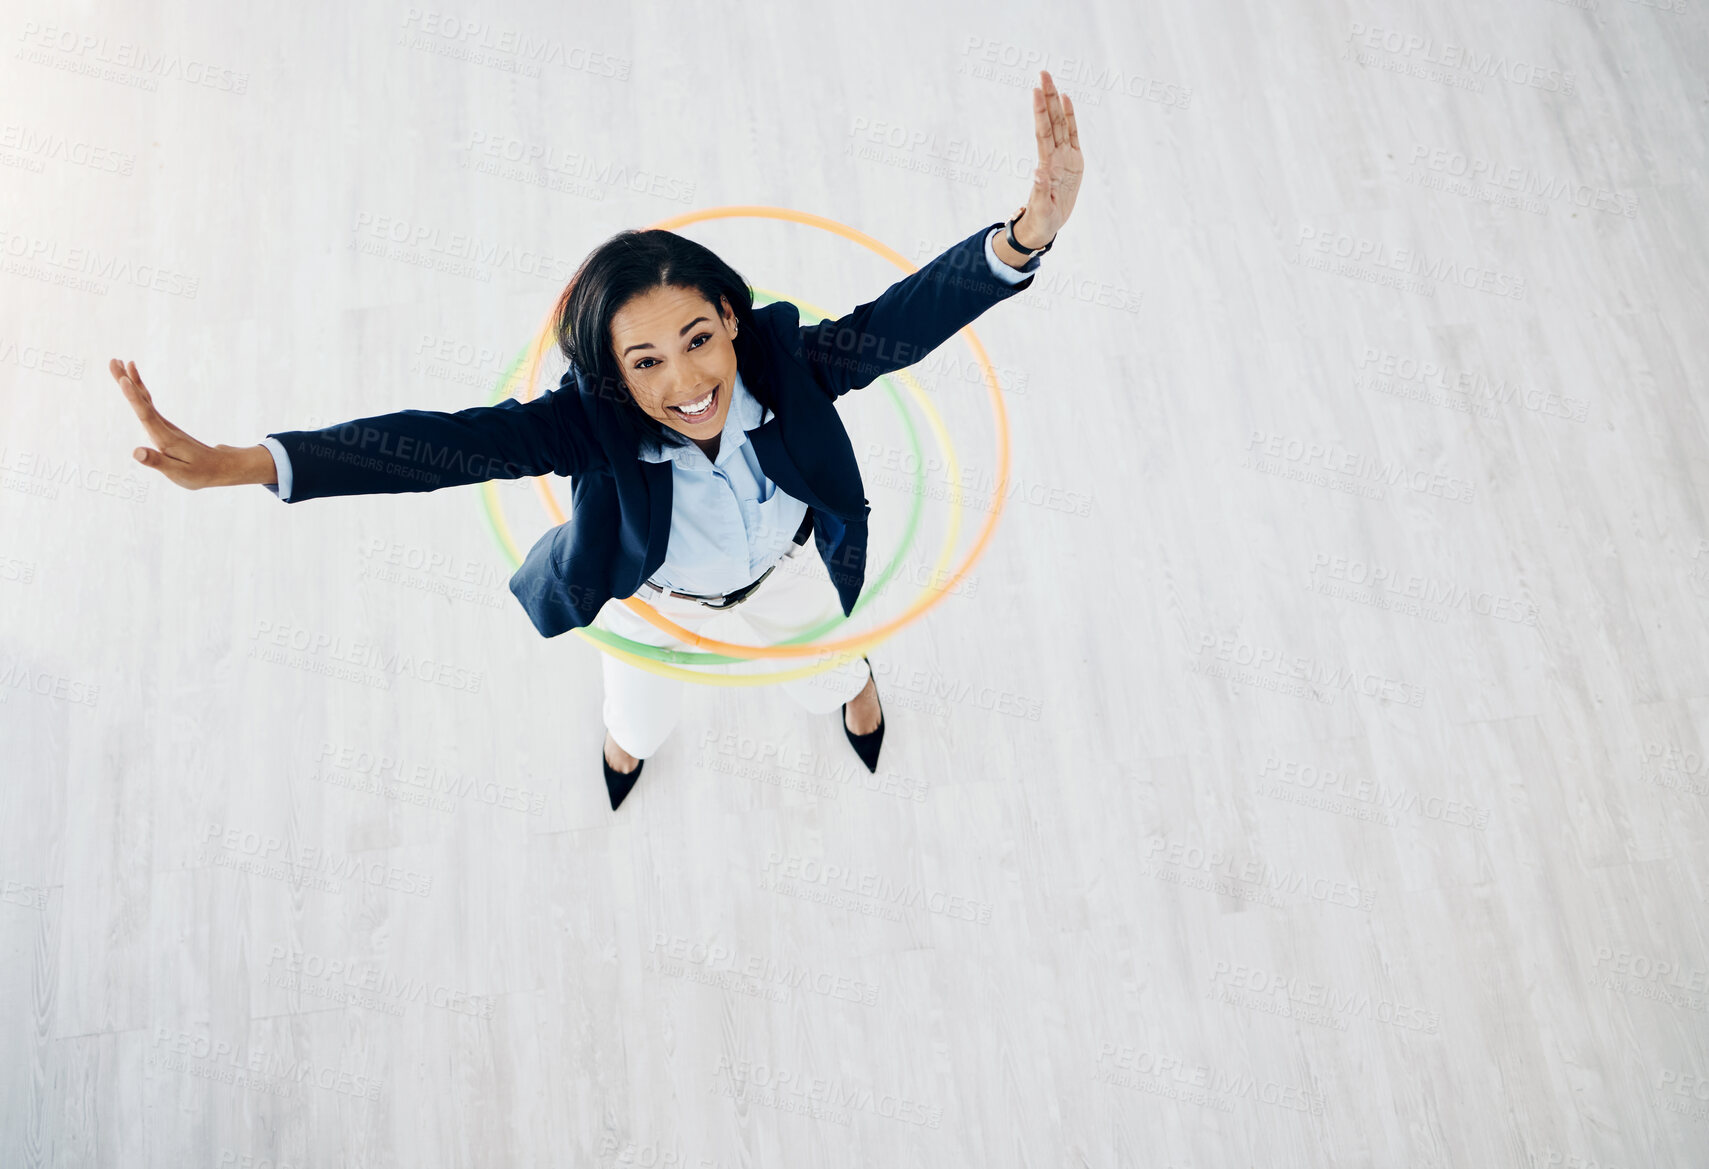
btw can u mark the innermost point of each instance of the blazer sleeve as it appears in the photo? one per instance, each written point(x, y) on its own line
point(426, 450)
point(909, 319)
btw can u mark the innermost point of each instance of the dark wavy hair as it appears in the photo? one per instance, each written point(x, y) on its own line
point(633, 263)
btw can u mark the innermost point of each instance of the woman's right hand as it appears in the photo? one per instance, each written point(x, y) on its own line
point(182, 459)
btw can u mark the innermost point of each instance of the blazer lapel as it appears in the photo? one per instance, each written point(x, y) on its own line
point(657, 477)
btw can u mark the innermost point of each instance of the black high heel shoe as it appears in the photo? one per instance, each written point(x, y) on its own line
point(619, 784)
point(867, 745)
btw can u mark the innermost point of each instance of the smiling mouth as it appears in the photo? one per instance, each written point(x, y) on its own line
point(707, 405)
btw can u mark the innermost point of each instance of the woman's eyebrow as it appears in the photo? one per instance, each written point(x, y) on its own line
point(679, 332)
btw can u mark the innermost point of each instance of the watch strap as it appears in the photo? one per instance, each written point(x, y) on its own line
point(1009, 234)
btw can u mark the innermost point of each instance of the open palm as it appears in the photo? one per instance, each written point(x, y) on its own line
point(186, 461)
point(1056, 179)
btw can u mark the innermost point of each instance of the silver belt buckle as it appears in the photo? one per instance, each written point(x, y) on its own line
point(653, 593)
point(711, 601)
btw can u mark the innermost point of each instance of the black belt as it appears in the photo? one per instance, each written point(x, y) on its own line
point(725, 600)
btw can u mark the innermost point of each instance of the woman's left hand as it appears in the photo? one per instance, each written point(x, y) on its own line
point(1056, 181)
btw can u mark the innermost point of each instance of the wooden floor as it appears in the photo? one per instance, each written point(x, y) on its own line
point(1313, 771)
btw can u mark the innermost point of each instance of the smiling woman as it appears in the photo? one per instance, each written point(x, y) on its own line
point(703, 440)
point(656, 317)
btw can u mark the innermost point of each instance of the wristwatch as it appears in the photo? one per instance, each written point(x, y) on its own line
point(1009, 232)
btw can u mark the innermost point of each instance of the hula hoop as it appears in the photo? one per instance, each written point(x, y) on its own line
point(633, 652)
point(501, 531)
point(837, 651)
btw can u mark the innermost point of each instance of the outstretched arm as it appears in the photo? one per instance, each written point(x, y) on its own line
point(409, 450)
point(426, 450)
point(918, 313)
point(912, 317)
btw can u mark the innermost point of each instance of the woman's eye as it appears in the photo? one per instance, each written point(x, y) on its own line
point(694, 344)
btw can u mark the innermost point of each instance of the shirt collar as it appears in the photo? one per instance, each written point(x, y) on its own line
point(746, 413)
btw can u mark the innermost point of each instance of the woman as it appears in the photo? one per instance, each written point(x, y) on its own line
point(702, 443)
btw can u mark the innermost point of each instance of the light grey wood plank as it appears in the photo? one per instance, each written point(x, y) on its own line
point(1311, 772)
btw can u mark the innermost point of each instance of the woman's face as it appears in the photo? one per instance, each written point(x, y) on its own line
point(675, 349)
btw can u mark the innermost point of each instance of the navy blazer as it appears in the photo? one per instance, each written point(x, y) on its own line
point(621, 506)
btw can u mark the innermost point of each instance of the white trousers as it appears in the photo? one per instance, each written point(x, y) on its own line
point(641, 708)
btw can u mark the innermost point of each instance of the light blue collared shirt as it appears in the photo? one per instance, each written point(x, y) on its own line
point(729, 523)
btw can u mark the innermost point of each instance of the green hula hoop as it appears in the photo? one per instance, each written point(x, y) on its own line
point(489, 499)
